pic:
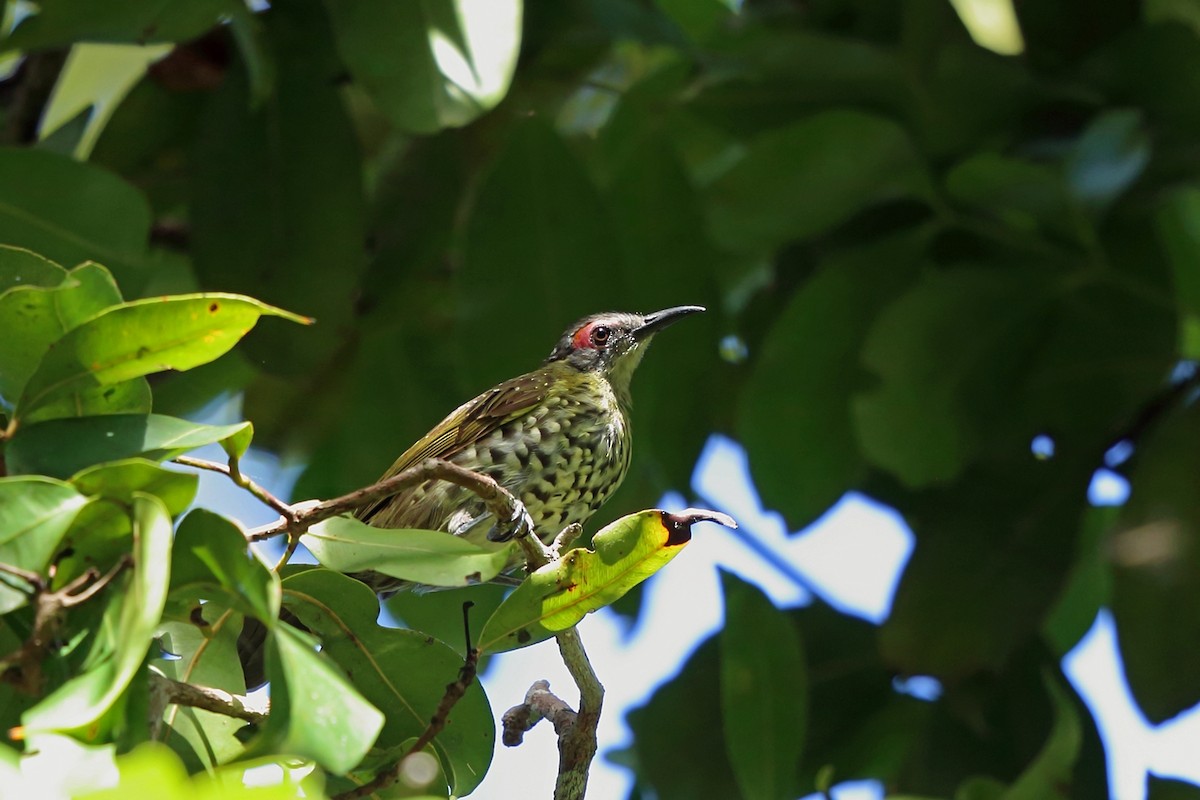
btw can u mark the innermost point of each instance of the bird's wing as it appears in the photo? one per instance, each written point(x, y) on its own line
point(470, 422)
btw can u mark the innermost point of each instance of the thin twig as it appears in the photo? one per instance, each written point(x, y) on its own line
point(454, 692)
point(71, 599)
point(207, 698)
point(36, 582)
point(232, 472)
point(23, 669)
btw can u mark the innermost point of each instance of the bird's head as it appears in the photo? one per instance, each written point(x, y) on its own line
point(614, 342)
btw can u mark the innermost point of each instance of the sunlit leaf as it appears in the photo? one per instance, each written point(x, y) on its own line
point(434, 64)
point(120, 480)
point(212, 559)
point(560, 594)
point(136, 339)
point(62, 447)
point(431, 557)
point(34, 316)
point(203, 651)
point(315, 711)
point(35, 512)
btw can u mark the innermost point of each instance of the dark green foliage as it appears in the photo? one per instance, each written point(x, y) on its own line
point(917, 256)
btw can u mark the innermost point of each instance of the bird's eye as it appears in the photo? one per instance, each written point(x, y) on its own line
point(600, 335)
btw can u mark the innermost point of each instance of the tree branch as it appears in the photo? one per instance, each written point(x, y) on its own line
point(576, 729)
point(166, 691)
point(23, 668)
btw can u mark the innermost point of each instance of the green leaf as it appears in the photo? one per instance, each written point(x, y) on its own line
point(120, 480)
point(764, 692)
point(35, 316)
point(800, 180)
point(1178, 227)
point(207, 655)
point(212, 560)
point(658, 220)
point(1158, 788)
point(430, 65)
point(402, 672)
point(280, 199)
point(1089, 587)
point(1050, 774)
point(803, 466)
point(44, 760)
point(62, 447)
point(679, 708)
point(79, 704)
point(71, 211)
point(152, 770)
point(315, 711)
point(1030, 199)
point(537, 212)
point(557, 596)
point(65, 22)
point(993, 552)
point(431, 557)
point(946, 353)
point(1154, 555)
point(35, 513)
point(20, 268)
point(136, 339)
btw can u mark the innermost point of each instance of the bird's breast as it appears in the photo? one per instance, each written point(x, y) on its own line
point(563, 458)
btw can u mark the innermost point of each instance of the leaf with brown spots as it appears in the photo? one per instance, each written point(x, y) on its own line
point(134, 339)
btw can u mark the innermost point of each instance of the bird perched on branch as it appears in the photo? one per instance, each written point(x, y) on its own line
point(558, 438)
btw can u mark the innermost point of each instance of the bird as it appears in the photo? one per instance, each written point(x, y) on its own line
point(558, 438)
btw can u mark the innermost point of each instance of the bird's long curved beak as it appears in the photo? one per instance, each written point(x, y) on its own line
point(653, 323)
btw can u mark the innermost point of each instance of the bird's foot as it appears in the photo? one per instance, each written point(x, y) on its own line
point(521, 524)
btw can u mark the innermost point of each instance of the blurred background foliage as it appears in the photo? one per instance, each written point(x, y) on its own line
point(920, 254)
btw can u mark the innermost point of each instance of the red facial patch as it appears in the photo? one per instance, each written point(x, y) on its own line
point(583, 337)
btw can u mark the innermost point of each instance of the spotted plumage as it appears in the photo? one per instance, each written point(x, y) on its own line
point(559, 438)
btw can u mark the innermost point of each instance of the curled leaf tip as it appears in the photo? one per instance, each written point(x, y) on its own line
point(680, 523)
point(690, 516)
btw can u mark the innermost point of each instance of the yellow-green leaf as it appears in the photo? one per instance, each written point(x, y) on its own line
point(560, 594)
point(135, 339)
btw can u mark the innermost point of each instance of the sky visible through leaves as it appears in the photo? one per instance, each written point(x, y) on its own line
point(852, 557)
